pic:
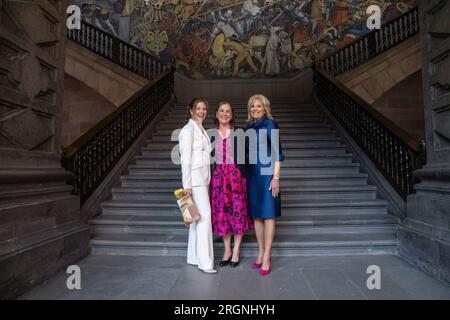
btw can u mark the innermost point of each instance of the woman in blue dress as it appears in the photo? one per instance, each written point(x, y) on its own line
point(263, 176)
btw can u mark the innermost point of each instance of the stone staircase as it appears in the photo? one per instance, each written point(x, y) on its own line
point(328, 208)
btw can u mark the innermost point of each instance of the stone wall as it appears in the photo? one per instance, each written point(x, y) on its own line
point(103, 76)
point(376, 77)
point(424, 236)
point(41, 232)
point(82, 109)
point(297, 89)
point(403, 104)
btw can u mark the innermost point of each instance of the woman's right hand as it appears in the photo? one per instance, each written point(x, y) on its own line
point(188, 191)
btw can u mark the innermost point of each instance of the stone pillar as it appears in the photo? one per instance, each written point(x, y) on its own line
point(425, 234)
point(40, 228)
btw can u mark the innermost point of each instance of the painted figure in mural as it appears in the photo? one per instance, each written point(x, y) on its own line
point(250, 7)
point(123, 9)
point(189, 7)
point(316, 9)
point(223, 25)
point(88, 12)
point(242, 54)
point(157, 12)
point(257, 45)
point(285, 50)
point(240, 27)
point(98, 16)
point(103, 21)
point(220, 59)
point(244, 26)
point(352, 6)
point(271, 65)
point(296, 9)
point(227, 43)
point(328, 11)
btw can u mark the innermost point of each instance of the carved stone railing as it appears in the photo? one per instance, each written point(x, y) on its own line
point(91, 157)
point(396, 153)
point(372, 44)
point(118, 51)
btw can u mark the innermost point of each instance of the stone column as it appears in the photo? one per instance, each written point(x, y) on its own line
point(425, 234)
point(40, 228)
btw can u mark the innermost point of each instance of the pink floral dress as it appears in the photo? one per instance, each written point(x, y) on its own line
point(228, 193)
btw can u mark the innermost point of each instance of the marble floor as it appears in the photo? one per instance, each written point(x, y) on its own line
point(292, 278)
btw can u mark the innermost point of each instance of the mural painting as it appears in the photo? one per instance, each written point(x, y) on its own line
point(235, 38)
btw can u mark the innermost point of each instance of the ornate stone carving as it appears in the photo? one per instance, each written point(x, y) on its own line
point(38, 25)
point(24, 129)
point(439, 24)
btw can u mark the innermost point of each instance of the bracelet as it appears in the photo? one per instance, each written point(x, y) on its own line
point(276, 178)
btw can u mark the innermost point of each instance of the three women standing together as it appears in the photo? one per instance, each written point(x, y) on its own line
point(243, 194)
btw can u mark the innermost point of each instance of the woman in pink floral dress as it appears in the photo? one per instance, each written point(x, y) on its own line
point(228, 188)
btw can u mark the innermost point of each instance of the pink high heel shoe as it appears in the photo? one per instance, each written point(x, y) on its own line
point(256, 265)
point(265, 272)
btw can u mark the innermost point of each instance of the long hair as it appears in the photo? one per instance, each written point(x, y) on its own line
point(265, 103)
point(191, 107)
point(221, 103)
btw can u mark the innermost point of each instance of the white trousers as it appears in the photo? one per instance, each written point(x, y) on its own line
point(200, 244)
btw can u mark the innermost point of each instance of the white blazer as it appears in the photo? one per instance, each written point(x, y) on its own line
point(195, 152)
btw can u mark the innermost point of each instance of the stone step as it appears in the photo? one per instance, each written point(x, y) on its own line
point(300, 160)
point(173, 180)
point(317, 144)
point(274, 109)
point(288, 207)
point(283, 245)
point(292, 189)
point(363, 208)
point(244, 112)
point(291, 137)
point(138, 224)
point(277, 110)
point(241, 120)
point(287, 121)
point(243, 107)
point(290, 123)
point(162, 131)
point(166, 194)
point(34, 191)
point(304, 151)
point(287, 168)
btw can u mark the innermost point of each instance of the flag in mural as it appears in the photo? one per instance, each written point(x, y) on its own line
point(235, 38)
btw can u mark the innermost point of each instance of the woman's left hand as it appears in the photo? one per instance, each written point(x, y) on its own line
point(275, 187)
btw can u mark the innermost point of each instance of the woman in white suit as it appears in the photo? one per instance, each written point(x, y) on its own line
point(195, 150)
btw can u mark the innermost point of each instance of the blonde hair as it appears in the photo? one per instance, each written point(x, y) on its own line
point(265, 103)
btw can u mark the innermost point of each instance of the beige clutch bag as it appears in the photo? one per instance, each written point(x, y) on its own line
point(187, 207)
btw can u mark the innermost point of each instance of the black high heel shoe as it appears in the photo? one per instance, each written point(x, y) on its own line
point(224, 263)
point(234, 264)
